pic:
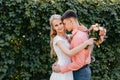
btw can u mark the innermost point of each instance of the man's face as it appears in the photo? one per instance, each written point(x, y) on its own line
point(68, 25)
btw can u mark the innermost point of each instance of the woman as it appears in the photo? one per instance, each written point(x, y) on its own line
point(61, 46)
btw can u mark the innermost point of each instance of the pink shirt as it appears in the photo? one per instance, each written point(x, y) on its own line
point(81, 58)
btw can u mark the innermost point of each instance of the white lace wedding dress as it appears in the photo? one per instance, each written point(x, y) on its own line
point(62, 60)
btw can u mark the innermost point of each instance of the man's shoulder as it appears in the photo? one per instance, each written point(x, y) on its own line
point(77, 35)
point(80, 35)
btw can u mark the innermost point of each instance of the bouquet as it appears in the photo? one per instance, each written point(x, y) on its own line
point(98, 32)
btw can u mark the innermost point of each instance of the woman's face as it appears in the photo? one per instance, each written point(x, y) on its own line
point(58, 26)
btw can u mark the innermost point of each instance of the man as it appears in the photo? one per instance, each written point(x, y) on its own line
point(80, 61)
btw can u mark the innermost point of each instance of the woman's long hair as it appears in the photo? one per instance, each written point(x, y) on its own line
point(53, 33)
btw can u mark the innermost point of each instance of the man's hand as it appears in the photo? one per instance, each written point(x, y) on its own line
point(56, 68)
point(90, 41)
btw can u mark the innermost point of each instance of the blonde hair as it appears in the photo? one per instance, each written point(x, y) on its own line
point(53, 33)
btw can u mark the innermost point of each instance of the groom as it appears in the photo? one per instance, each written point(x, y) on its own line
point(80, 61)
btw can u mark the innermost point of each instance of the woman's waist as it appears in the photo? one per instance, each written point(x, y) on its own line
point(64, 62)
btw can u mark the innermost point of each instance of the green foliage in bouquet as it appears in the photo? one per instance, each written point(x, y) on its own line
point(94, 34)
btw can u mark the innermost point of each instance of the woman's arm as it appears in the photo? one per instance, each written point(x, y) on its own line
point(73, 51)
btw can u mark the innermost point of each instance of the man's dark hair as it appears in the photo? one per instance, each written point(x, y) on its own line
point(69, 14)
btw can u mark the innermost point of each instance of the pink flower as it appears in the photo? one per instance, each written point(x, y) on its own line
point(95, 29)
point(91, 27)
point(102, 32)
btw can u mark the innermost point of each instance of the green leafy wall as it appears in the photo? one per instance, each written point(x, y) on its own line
point(24, 37)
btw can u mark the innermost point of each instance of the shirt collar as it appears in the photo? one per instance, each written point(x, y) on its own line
point(74, 32)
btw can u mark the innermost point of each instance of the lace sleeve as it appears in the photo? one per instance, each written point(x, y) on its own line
point(56, 39)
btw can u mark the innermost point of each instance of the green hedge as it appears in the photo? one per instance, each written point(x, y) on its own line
point(24, 37)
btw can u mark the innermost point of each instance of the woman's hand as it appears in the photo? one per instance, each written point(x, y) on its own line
point(82, 27)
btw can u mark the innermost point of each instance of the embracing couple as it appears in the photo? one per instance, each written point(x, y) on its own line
point(73, 56)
